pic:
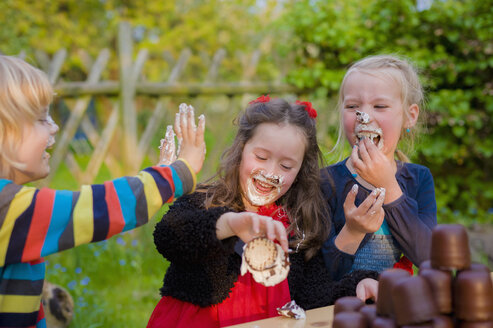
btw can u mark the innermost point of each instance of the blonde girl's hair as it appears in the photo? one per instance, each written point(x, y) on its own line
point(25, 93)
point(405, 74)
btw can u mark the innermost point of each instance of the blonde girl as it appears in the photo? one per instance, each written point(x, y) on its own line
point(382, 207)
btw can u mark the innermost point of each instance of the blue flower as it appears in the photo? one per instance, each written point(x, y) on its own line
point(72, 284)
point(121, 241)
point(85, 281)
point(134, 242)
point(96, 253)
point(123, 262)
point(78, 270)
point(57, 266)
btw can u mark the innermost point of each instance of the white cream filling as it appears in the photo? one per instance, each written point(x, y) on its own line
point(271, 185)
point(362, 117)
point(272, 275)
point(372, 133)
point(292, 310)
point(49, 145)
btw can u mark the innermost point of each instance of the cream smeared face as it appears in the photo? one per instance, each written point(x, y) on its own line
point(270, 162)
point(263, 188)
point(372, 108)
point(36, 139)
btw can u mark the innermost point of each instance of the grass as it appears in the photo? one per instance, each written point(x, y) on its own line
point(114, 283)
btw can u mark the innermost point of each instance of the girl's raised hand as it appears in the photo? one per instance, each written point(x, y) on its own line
point(247, 225)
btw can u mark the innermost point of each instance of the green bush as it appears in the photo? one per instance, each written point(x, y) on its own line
point(452, 44)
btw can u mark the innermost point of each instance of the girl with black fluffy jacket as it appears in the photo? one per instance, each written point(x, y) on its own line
point(268, 184)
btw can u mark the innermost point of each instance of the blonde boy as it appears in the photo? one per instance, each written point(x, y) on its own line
point(38, 222)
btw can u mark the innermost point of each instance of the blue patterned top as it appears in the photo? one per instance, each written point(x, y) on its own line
point(407, 225)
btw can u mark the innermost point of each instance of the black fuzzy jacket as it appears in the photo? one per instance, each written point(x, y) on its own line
point(203, 269)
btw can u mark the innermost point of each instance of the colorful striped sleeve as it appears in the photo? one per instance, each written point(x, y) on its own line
point(35, 223)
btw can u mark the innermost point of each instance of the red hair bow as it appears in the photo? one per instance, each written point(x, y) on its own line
point(261, 99)
point(308, 107)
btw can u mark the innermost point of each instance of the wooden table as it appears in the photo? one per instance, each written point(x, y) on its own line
point(321, 317)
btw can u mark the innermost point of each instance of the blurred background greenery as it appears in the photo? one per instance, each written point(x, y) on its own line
point(306, 43)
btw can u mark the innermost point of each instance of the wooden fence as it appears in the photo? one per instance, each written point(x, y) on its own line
point(117, 136)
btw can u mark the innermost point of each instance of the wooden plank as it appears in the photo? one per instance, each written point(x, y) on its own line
point(76, 114)
point(160, 109)
point(319, 317)
point(127, 95)
point(214, 67)
point(156, 89)
point(93, 136)
point(152, 126)
point(56, 65)
point(101, 149)
point(180, 66)
point(73, 167)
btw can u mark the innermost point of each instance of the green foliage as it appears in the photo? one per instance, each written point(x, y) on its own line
point(164, 28)
point(452, 43)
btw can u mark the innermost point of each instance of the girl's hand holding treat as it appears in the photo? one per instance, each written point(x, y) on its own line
point(248, 226)
point(371, 164)
point(360, 220)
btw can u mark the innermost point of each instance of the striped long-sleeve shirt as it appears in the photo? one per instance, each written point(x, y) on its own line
point(38, 222)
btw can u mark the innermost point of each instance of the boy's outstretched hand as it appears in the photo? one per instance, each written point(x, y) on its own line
point(191, 144)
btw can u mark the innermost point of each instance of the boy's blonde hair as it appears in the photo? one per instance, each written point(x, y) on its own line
point(25, 93)
point(404, 73)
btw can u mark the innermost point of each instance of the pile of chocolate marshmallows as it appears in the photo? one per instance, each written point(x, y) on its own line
point(449, 291)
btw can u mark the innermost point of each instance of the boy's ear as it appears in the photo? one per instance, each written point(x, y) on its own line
point(412, 115)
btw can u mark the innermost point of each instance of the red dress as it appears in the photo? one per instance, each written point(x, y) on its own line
point(248, 300)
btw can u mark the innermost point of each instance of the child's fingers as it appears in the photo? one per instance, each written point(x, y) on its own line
point(188, 125)
point(363, 151)
point(355, 160)
point(167, 149)
point(368, 202)
point(184, 120)
point(377, 205)
point(274, 230)
point(371, 149)
point(281, 235)
point(199, 133)
point(350, 198)
point(191, 119)
point(178, 123)
point(255, 224)
point(269, 227)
